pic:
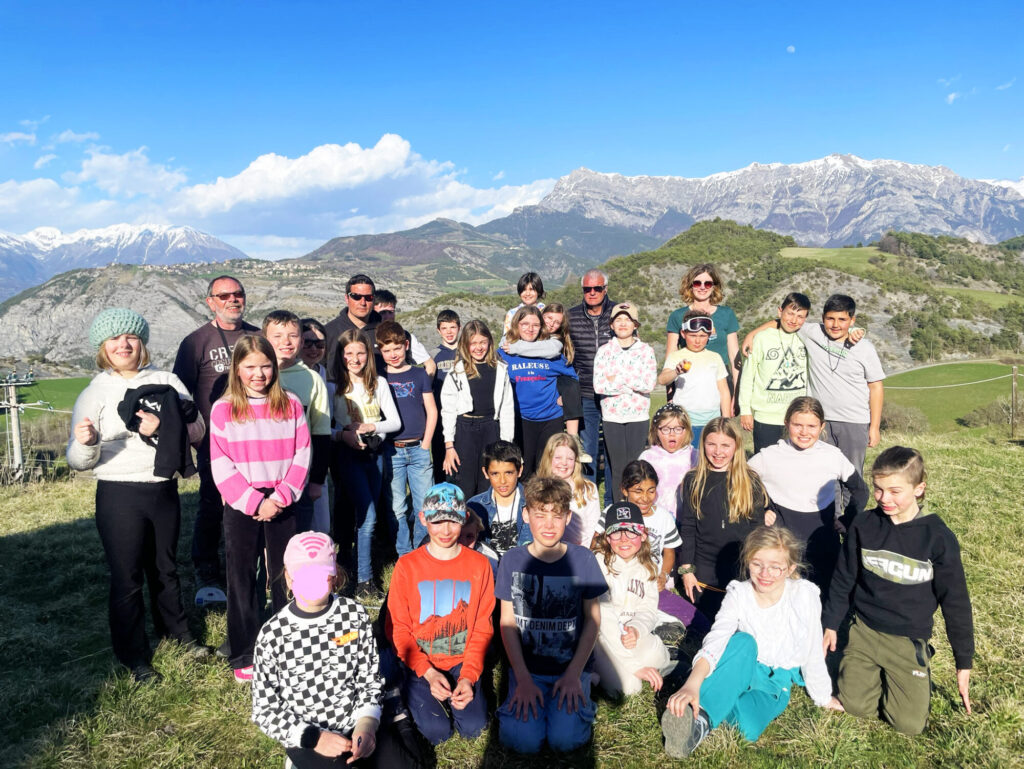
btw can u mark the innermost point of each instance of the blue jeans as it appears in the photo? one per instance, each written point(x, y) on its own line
point(564, 731)
point(361, 474)
point(590, 435)
point(436, 720)
point(413, 466)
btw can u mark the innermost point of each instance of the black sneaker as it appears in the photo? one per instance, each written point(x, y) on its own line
point(144, 674)
point(224, 650)
point(683, 733)
point(367, 592)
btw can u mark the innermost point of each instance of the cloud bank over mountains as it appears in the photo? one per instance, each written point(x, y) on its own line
point(277, 206)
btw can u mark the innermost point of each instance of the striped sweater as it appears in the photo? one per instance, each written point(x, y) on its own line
point(263, 453)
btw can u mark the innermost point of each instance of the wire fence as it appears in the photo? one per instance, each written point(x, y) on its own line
point(958, 384)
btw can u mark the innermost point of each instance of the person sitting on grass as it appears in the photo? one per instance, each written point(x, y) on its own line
point(315, 687)
point(439, 621)
point(764, 640)
point(549, 593)
point(899, 563)
point(628, 652)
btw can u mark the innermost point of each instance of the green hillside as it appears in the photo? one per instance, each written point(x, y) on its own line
point(944, 392)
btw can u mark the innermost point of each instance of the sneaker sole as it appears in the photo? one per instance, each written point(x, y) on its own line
point(677, 731)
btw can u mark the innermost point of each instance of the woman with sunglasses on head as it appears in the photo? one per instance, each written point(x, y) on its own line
point(699, 376)
point(702, 290)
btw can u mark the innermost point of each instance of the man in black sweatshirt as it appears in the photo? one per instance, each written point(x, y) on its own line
point(899, 563)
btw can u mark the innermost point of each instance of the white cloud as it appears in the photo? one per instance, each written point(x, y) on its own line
point(1008, 84)
point(32, 125)
point(43, 160)
point(946, 82)
point(13, 137)
point(952, 97)
point(127, 175)
point(790, 49)
point(276, 206)
point(70, 136)
point(498, 176)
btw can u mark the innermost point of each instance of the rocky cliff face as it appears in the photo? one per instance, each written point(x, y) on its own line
point(834, 201)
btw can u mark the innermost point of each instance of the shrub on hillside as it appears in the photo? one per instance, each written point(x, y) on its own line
point(995, 414)
point(903, 419)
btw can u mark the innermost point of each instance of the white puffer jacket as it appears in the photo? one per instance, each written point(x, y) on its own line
point(456, 399)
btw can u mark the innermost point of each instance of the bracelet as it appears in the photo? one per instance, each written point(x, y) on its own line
point(685, 570)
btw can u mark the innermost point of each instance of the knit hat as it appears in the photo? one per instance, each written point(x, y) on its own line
point(444, 502)
point(116, 321)
point(624, 515)
point(309, 559)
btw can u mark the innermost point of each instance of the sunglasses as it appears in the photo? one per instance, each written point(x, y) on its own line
point(593, 289)
point(319, 344)
point(360, 297)
point(703, 284)
point(229, 295)
point(698, 324)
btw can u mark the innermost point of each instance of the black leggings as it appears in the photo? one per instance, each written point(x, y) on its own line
point(472, 436)
point(138, 525)
point(535, 438)
point(624, 442)
point(398, 745)
point(818, 530)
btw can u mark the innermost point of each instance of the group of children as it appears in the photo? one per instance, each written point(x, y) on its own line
point(582, 591)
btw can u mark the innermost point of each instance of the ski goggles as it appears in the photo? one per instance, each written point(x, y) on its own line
point(698, 324)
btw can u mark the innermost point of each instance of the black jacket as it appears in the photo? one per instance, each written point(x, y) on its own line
point(588, 332)
point(896, 575)
point(173, 454)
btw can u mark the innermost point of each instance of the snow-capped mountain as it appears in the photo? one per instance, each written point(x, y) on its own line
point(29, 259)
point(836, 200)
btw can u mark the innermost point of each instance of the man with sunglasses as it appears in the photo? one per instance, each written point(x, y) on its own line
point(358, 314)
point(202, 364)
point(589, 328)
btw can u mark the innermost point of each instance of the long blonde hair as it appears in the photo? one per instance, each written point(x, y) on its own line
point(563, 330)
point(513, 332)
point(582, 489)
point(742, 483)
point(470, 330)
point(603, 548)
point(277, 399)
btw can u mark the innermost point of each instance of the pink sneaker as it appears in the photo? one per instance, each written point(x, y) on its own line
point(243, 675)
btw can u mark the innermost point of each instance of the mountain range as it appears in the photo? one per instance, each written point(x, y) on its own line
point(28, 260)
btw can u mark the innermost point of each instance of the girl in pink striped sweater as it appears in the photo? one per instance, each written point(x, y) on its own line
point(259, 455)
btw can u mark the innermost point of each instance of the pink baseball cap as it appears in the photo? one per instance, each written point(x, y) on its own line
point(309, 559)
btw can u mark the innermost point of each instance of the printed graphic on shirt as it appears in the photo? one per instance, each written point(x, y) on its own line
point(504, 535)
point(366, 408)
point(637, 587)
point(790, 370)
point(546, 611)
point(896, 568)
point(220, 358)
point(444, 616)
point(403, 389)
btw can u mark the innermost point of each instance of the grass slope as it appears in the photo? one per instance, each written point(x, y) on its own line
point(944, 406)
point(67, 707)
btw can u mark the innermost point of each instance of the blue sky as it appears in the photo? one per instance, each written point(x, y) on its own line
point(279, 125)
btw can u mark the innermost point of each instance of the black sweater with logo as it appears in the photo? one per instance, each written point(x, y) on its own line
point(895, 575)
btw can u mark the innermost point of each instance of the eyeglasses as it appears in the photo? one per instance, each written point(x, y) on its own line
point(671, 430)
point(593, 289)
point(229, 295)
point(319, 344)
point(360, 297)
point(698, 324)
point(624, 534)
point(770, 569)
point(703, 284)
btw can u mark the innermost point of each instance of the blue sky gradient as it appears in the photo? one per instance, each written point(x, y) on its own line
point(491, 103)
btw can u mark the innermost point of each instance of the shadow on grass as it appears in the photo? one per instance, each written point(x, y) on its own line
point(55, 652)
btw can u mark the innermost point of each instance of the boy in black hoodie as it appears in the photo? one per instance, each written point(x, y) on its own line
point(898, 563)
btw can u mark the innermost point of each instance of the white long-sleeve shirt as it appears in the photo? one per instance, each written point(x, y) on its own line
point(788, 634)
point(378, 409)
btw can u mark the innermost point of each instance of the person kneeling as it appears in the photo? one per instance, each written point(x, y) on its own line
point(439, 621)
point(766, 637)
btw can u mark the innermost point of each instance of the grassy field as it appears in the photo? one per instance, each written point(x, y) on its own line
point(853, 259)
point(991, 298)
point(59, 393)
point(944, 406)
point(67, 706)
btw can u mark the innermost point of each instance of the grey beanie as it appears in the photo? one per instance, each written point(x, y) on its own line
point(117, 321)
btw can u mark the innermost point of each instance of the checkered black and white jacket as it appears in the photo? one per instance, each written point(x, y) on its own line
point(320, 671)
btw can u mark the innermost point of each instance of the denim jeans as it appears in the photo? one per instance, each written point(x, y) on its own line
point(413, 466)
point(361, 473)
point(590, 434)
point(563, 730)
point(438, 720)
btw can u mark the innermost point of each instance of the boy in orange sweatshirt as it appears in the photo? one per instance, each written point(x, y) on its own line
point(439, 620)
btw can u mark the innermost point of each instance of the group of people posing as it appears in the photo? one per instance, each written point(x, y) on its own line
point(484, 458)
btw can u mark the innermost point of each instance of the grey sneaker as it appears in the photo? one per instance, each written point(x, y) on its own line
point(683, 733)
